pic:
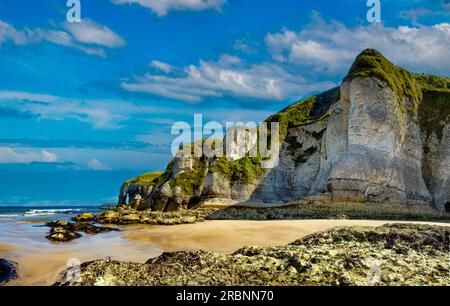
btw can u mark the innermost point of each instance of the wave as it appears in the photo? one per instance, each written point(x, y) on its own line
point(45, 212)
point(10, 216)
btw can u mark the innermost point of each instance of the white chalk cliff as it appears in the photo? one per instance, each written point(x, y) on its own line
point(383, 136)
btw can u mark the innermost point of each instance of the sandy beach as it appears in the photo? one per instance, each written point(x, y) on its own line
point(40, 261)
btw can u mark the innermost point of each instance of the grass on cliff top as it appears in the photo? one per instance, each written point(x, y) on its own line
point(371, 63)
point(430, 94)
point(148, 178)
point(305, 112)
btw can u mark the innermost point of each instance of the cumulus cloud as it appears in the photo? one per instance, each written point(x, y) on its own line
point(95, 112)
point(97, 165)
point(329, 48)
point(164, 67)
point(88, 36)
point(301, 61)
point(90, 32)
point(9, 155)
point(162, 7)
point(100, 113)
point(227, 77)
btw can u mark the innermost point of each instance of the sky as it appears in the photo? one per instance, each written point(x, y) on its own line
point(84, 106)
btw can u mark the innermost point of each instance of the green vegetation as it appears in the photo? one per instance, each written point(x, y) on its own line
point(434, 111)
point(432, 82)
point(305, 112)
point(191, 181)
point(430, 94)
point(146, 179)
point(371, 63)
point(245, 170)
point(296, 150)
point(130, 216)
point(350, 211)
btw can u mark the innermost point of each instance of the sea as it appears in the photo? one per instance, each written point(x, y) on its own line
point(23, 213)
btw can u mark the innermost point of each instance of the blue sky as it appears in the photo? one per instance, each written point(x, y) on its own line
point(97, 99)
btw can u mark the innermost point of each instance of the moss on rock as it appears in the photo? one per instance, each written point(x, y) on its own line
point(245, 170)
point(399, 254)
point(191, 181)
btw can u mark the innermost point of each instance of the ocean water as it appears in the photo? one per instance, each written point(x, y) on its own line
point(36, 212)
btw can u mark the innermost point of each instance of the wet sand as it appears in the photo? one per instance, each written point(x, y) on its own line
point(41, 261)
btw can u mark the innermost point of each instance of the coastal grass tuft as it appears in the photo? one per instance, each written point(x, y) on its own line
point(146, 179)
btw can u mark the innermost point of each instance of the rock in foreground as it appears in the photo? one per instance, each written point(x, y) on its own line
point(399, 254)
point(8, 271)
point(63, 231)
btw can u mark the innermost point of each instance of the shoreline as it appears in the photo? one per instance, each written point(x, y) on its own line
point(40, 262)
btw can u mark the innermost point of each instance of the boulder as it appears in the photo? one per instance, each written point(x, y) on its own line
point(85, 217)
point(8, 271)
point(60, 234)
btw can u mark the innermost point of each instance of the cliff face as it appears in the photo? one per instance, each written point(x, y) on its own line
point(382, 137)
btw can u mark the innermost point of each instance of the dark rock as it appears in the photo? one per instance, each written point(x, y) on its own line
point(63, 231)
point(60, 234)
point(92, 229)
point(348, 256)
point(84, 217)
point(8, 271)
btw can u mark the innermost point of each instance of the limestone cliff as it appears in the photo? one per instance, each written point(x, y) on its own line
point(383, 136)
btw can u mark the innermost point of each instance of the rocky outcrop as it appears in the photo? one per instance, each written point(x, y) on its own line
point(381, 137)
point(64, 231)
point(8, 271)
point(398, 254)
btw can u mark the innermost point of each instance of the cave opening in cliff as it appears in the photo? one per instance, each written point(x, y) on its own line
point(447, 207)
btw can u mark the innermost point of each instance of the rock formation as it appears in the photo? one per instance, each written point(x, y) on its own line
point(383, 136)
point(8, 271)
point(395, 255)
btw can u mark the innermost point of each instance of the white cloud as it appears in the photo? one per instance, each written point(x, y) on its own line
point(329, 48)
point(97, 165)
point(227, 77)
point(101, 114)
point(26, 156)
point(246, 46)
point(90, 32)
point(8, 32)
point(162, 7)
point(164, 67)
point(88, 37)
point(20, 95)
point(49, 157)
